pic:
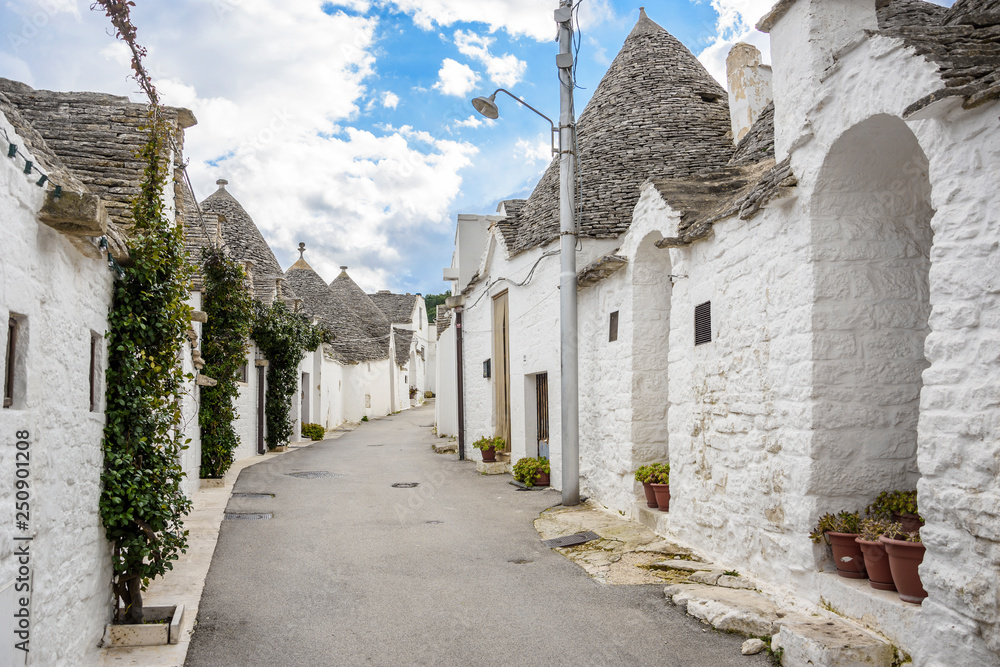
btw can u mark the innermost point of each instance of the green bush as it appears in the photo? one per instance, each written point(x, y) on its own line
point(654, 473)
point(893, 502)
point(527, 469)
point(313, 431)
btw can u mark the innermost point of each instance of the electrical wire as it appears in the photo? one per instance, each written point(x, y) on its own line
point(524, 282)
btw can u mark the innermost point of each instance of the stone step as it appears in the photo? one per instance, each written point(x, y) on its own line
point(652, 518)
point(728, 609)
point(445, 448)
point(811, 641)
point(494, 468)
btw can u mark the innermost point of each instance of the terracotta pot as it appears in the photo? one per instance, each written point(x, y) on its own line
point(847, 555)
point(904, 559)
point(911, 522)
point(489, 455)
point(662, 492)
point(877, 565)
point(650, 494)
point(542, 479)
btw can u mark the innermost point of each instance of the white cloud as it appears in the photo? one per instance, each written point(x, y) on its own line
point(737, 19)
point(537, 150)
point(518, 18)
point(390, 100)
point(505, 70)
point(455, 78)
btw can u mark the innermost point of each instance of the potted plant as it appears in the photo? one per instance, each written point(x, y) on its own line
point(906, 553)
point(531, 471)
point(659, 479)
point(876, 560)
point(489, 447)
point(642, 476)
point(840, 532)
point(899, 506)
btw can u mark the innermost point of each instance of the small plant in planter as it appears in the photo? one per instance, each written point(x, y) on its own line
point(642, 476)
point(531, 471)
point(899, 506)
point(876, 560)
point(489, 447)
point(840, 532)
point(659, 480)
point(906, 552)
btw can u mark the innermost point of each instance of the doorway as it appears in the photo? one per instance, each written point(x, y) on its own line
point(501, 359)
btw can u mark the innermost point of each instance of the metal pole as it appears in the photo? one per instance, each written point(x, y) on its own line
point(569, 380)
point(461, 388)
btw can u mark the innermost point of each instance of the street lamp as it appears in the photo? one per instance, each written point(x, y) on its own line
point(568, 354)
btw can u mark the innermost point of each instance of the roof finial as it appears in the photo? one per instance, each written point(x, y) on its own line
point(222, 183)
point(302, 250)
point(642, 12)
point(343, 268)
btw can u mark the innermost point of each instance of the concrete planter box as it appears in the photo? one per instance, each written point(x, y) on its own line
point(151, 634)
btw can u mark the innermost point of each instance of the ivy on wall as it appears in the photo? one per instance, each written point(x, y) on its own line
point(224, 347)
point(142, 504)
point(284, 337)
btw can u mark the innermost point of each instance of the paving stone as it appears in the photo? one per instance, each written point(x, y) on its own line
point(753, 646)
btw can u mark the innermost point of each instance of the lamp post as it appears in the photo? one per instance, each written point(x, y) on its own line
point(569, 358)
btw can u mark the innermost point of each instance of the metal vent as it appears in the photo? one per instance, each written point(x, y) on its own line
point(253, 495)
point(313, 474)
point(571, 540)
point(613, 328)
point(248, 516)
point(703, 323)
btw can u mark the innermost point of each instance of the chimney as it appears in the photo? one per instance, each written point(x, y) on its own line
point(749, 88)
point(806, 35)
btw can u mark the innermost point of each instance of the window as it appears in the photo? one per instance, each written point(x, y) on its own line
point(95, 371)
point(8, 367)
point(703, 323)
point(613, 328)
point(244, 374)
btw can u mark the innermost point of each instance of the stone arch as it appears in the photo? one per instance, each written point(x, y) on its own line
point(651, 294)
point(872, 241)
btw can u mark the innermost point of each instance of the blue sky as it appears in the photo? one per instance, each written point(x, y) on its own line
point(347, 125)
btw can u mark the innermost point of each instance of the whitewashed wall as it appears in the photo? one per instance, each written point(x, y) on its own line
point(190, 402)
point(446, 374)
point(333, 402)
point(246, 410)
point(366, 390)
point(64, 298)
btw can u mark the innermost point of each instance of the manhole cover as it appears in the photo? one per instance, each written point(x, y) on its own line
point(313, 474)
point(253, 495)
point(405, 485)
point(571, 540)
point(248, 516)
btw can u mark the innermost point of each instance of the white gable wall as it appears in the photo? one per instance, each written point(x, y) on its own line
point(63, 298)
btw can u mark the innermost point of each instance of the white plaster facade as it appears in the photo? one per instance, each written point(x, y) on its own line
point(854, 329)
point(61, 299)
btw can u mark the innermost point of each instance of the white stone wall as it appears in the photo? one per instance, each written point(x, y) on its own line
point(64, 299)
point(446, 403)
point(190, 401)
point(333, 405)
point(246, 410)
point(366, 390)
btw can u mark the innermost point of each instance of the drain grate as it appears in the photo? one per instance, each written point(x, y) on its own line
point(375, 445)
point(571, 540)
point(248, 516)
point(434, 523)
point(253, 495)
point(405, 485)
point(313, 474)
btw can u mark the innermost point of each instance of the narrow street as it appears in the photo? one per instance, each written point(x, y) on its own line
point(353, 571)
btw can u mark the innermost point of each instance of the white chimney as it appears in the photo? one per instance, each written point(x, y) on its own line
point(749, 88)
point(805, 37)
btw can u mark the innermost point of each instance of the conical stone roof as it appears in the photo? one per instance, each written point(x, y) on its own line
point(656, 113)
point(370, 342)
point(245, 242)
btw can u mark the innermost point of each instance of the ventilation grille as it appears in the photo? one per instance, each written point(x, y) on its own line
point(613, 328)
point(703, 323)
point(248, 516)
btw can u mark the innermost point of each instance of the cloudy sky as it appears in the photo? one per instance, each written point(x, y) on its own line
point(347, 125)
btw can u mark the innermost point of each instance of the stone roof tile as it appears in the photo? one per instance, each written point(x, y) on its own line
point(398, 308)
point(404, 337)
point(657, 112)
point(365, 328)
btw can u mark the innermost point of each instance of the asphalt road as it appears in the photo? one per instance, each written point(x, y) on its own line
point(351, 571)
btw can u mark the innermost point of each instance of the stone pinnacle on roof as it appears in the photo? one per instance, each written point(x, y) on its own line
point(656, 113)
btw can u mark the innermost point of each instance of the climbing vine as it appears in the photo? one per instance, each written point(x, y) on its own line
point(283, 337)
point(224, 346)
point(142, 504)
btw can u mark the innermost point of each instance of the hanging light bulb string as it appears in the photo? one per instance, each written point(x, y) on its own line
point(30, 168)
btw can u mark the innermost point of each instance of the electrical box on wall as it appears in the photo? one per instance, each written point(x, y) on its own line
point(486, 368)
